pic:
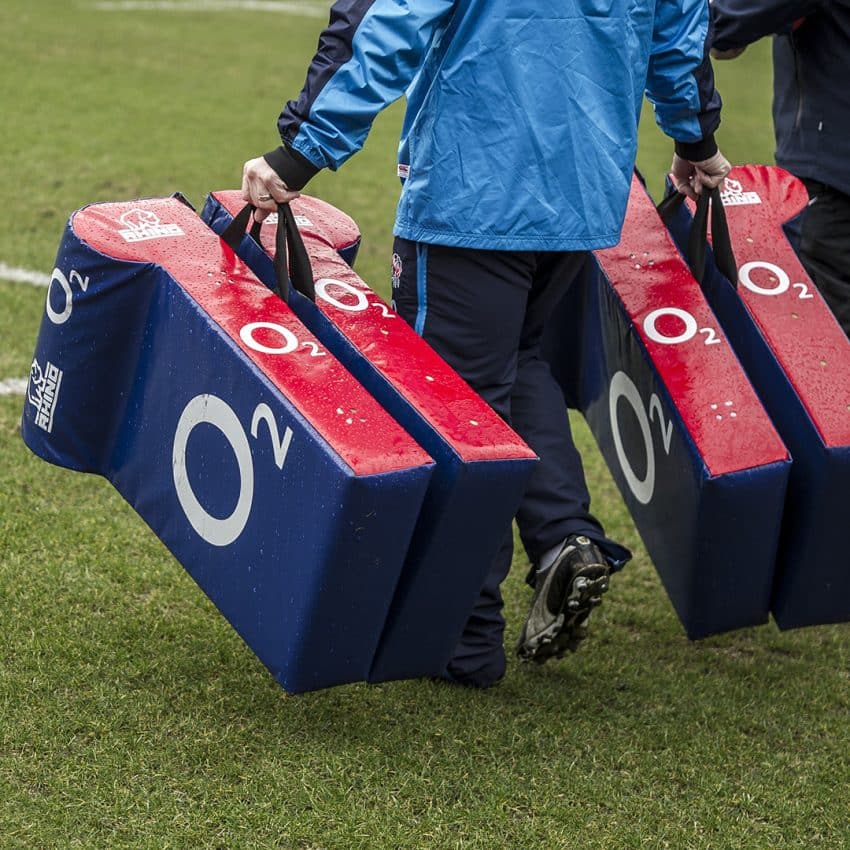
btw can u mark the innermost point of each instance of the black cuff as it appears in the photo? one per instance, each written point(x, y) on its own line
point(697, 151)
point(294, 169)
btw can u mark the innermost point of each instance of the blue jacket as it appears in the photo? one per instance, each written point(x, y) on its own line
point(811, 67)
point(521, 123)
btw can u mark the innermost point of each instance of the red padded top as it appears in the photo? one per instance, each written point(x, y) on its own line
point(787, 308)
point(411, 366)
point(716, 401)
point(317, 219)
point(167, 233)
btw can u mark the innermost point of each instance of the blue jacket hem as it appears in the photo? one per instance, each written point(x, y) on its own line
point(496, 242)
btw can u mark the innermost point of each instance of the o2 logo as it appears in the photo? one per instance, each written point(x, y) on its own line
point(214, 411)
point(59, 317)
point(290, 341)
point(688, 332)
point(777, 276)
point(210, 409)
point(360, 302)
point(623, 387)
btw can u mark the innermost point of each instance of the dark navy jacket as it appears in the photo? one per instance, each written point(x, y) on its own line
point(811, 61)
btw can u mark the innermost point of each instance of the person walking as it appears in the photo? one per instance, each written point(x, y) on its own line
point(811, 118)
point(515, 159)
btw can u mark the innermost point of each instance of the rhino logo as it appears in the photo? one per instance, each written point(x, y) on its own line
point(733, 194)
point(36, 384)
point(137, 219)
point(43, 393)
point(141, 224)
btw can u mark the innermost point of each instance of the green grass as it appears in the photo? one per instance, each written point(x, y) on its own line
point(131, 715)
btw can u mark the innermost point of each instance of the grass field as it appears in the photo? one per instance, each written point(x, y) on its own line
point(131, 715)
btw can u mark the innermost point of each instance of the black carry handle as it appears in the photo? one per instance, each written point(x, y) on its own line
point(724, 257)
point(288, 246)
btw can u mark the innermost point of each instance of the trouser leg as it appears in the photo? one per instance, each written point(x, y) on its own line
point(468, 305)
point(825, 247)
point(556, 502)
point(484, 312)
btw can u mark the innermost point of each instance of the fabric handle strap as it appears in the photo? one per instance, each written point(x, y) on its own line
point(724, 257)
point(289, 246)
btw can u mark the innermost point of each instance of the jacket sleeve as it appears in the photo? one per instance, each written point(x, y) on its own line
point(680, 80)
point(367, 56)
point(738, 23)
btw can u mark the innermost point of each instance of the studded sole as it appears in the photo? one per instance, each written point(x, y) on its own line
point(569, 629)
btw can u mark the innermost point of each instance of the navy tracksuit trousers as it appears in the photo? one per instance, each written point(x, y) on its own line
point(485, 313)
point(825, 247)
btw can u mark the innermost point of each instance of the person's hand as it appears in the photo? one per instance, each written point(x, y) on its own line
point(262, 187)
point(689, 178)
point(731, 53)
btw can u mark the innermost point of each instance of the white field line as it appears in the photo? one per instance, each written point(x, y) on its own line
point(18, 386)
point(14, 386)
point(17, 275)
point(306, 10)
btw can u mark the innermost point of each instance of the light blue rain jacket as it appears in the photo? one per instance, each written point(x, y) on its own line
point(521, 123)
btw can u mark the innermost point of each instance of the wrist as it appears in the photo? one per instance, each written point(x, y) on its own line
point(292, 167)
point(697, 151)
